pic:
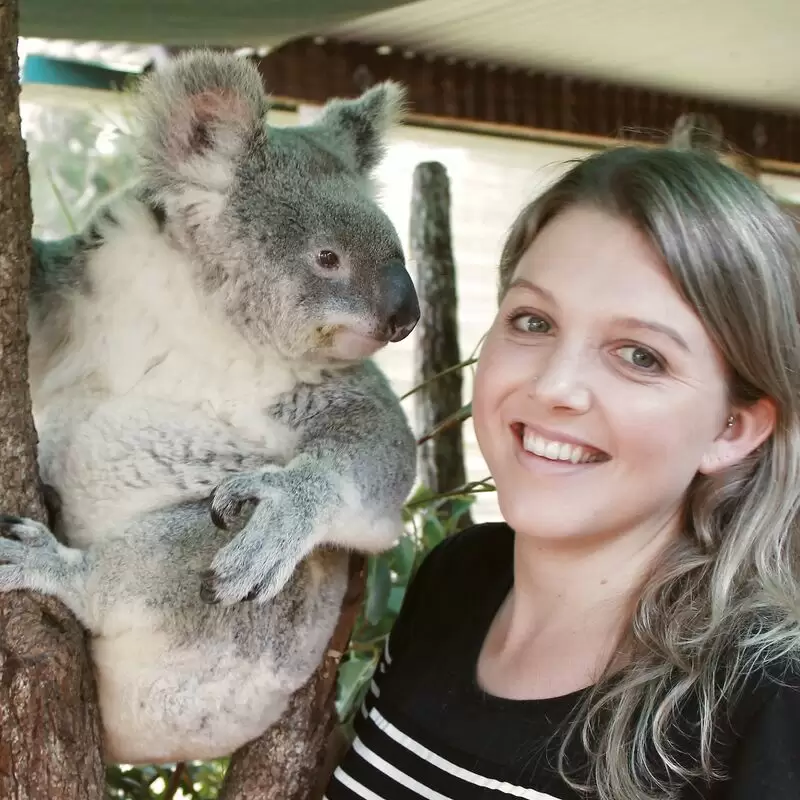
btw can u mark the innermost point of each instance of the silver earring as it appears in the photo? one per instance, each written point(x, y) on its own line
point(731, 421)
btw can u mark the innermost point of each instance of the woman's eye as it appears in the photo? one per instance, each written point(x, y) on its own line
point(641, 358)
point(531, 323)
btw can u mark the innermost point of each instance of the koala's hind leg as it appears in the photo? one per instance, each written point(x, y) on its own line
point(32, 558)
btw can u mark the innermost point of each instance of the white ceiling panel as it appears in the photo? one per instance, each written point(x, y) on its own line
point(747, 51)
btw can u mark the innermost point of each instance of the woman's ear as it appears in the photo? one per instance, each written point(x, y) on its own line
point(745, 430)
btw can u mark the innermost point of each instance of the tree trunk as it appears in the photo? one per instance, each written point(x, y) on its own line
point(287, 761)
point(440, 459)
point(49, 730)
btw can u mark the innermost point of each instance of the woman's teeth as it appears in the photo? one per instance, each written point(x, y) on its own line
point(558, 451)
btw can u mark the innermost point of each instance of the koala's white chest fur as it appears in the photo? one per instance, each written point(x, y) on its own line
point(149, 368)
point(146, 329)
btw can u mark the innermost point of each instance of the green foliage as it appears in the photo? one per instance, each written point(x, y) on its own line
point(77, 157)
point(198, 780)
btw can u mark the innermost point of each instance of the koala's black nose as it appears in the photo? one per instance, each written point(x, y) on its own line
point(399, 302)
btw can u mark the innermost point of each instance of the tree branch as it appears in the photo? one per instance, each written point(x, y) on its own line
point(49, 728)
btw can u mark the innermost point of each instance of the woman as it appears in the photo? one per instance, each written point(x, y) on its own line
point(633, 627)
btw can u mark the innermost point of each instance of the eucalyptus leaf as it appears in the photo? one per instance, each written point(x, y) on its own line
point(404, 556)
point(379, 585)
point(396, 597)
point(433, 531)
point(354, 677)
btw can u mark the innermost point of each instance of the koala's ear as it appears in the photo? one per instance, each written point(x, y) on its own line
point(198, 113)
point(359, 126)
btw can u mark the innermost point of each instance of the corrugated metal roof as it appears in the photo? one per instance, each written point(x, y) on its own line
point(747, 52)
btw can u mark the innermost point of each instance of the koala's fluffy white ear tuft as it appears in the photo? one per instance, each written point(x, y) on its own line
point(197, 114)
point(359, 126)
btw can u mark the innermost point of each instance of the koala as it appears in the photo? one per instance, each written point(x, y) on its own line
point(208, 413)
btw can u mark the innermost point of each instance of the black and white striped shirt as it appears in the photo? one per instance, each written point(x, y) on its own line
point(385, 763)
point(427, 731)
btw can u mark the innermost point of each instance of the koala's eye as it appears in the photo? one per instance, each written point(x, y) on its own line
point(327, 259)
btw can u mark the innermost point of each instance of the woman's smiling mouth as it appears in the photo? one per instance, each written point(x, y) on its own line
point(555, 447)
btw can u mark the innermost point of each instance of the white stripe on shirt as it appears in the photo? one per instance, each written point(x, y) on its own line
point(446, 766)
point(399, 777)
point(354, 786)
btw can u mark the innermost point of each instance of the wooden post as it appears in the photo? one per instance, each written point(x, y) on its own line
point(441, 459)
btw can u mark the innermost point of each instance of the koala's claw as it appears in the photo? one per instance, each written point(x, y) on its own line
point(217, 518)
point(25, 545)
point(230, 499)
point(7, 524)
point(208, 589)
point(208, 593)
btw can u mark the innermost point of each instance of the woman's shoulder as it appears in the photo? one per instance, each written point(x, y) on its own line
point(460, 578)
point(477, 551)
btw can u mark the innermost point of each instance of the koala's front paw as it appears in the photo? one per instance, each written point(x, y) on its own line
point(260, 559)
point(27, 531)
point(23, 542)
point(234, 501)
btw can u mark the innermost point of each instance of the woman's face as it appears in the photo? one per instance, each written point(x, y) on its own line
point(599, 395)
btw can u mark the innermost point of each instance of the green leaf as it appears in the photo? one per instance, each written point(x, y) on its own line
point(459, 506)
point(373, 634)
point(353, 680)
point(396, 599)
point(379, 584)
point(404, 556)
point(421, 494)
point(432, 531)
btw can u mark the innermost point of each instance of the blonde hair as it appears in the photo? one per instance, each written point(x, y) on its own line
point(724, 602)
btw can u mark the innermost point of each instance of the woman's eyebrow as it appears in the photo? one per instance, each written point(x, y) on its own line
point(524, 283)
point(657, 327)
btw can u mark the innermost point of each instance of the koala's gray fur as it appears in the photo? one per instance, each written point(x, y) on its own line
point(207, 411)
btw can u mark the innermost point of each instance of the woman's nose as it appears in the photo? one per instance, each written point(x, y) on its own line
point(561, 382)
